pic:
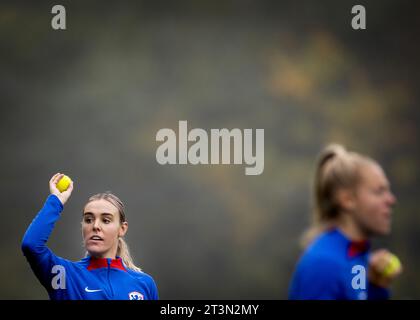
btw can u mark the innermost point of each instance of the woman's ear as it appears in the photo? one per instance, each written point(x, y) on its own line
point(123, 229)
point(346, 199)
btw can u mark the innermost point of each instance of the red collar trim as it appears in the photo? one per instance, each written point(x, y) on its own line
point(96, 263)
point(357, 247)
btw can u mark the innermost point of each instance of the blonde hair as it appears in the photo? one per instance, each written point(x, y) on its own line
point(123, 250)
point(336, 169)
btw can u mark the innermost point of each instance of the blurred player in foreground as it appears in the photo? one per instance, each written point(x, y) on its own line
point(353, 203)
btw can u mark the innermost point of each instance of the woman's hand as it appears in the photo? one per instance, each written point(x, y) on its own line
point(378, 261)
point(63, 196)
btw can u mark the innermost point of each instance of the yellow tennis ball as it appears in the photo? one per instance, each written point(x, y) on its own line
point(63, 183)
point(393, 265)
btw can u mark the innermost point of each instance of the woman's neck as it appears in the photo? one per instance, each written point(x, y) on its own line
point(350, 229)
point(105, 255)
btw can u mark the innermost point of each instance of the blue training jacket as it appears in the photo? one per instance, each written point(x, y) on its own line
point(90, 278)
point(334, 268)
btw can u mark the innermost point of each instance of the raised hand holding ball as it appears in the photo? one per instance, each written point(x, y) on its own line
point(61, 186)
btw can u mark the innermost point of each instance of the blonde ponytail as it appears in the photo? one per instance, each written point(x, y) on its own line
point(124, 252)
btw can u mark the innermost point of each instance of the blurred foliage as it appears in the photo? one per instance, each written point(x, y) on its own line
point(88, 101)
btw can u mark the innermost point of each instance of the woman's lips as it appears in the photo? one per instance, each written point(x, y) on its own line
point(95, 239)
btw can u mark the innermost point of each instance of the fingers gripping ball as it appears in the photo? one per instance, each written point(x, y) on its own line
point(393, 266)
point(63, 183)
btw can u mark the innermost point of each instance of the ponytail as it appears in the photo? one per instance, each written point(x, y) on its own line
point(124, 252)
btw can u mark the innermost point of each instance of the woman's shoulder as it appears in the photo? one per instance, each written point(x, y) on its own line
point(327, 250)
point(140, 275)
point(327, 242)
point(145, 280)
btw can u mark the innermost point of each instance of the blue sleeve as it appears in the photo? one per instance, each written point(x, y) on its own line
point(153, 290)
point(39, 256)
point(316, 278)
point(377, 293)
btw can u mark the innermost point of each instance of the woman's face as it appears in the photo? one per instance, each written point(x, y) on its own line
point(101, 228)
point(373, 201)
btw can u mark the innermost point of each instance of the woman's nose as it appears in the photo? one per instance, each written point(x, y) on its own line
point(391, 199)
point(96, 225)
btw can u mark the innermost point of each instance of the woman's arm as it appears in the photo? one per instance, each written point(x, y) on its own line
point(34, 247)
point(36, 236)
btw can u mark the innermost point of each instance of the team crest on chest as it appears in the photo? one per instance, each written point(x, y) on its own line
point(134, 295)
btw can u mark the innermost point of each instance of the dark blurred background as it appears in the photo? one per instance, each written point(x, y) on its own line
point(88, 101)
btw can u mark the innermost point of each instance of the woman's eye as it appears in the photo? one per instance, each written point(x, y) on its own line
point(88, 220)
point(107, 221)
point(380, 191)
